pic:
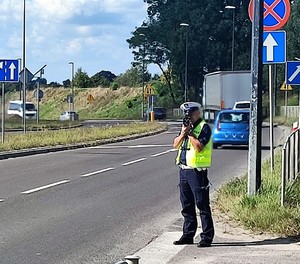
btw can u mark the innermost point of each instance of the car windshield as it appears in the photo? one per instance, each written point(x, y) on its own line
point(158, 109)
point(30, 107)
point(242, 105)
point(234, 117)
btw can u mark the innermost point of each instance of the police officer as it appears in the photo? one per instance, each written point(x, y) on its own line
point(194, 158)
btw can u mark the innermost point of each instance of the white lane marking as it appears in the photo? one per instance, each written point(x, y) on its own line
point(162, 153)
point(1, 200)
point(96, 172)
point(108, 147)
point(134, 161)
point(148, 146)
point(133, 146)
point(45, 187)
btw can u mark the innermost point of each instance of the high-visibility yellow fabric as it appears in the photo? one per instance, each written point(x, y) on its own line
point(194, 158)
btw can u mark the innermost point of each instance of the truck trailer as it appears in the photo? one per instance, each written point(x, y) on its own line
point(222, 89)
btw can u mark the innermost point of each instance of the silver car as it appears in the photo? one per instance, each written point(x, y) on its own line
point(68, 115)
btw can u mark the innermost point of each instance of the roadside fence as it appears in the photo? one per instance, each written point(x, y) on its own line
point(290, 161)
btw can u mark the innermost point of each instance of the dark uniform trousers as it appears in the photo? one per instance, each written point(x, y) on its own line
point(194, 191)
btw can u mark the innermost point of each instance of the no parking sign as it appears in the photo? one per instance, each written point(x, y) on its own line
point(276, 13)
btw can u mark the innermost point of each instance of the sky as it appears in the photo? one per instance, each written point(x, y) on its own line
point(90, 33)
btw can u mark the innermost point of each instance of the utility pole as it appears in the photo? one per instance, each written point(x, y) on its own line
point(143, 77)
point(24, 67)
point(186, 60)
point(254, 156)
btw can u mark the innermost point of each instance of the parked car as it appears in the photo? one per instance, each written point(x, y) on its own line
point(16, 108)
point(159, 113)
point(241, 105)
point(231, 127)
point(68, 115)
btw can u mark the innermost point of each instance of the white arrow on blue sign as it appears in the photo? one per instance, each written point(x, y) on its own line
point(274, 47)
point(9, 70)
point(293, 72)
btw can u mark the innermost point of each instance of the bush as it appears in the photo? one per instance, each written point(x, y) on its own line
point(114, 86)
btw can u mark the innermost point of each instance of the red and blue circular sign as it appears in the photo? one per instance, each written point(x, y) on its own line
point(276, 13)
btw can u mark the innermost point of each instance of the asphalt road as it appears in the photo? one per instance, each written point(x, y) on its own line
point(96, 205)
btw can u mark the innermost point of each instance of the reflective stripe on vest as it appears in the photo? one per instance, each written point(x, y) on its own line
point(195, 159)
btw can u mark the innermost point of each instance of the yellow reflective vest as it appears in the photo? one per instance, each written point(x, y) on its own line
point(194, 158)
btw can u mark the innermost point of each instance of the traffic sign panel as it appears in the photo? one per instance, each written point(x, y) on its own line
point(149, 90)
point(9, 70)
point(28, 76)
point(274, 47)
point(285, 87)
point(293, 72)
point(38, 95)
point(276, 13)
point(70, 98)
point(90, 98)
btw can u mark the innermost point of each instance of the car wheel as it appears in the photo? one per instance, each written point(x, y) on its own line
point(215, 145)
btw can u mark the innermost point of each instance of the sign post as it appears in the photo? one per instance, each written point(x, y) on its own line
point(9, 72)
point(265, 15)
point(274, 51)
point(149, 92)
point(3, 113)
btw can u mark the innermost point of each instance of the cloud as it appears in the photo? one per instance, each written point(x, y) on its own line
point(92, 33)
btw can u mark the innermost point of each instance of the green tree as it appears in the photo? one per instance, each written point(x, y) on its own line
point(102, 78)
point(66, 83)
point(209, 40)
point(133, 77)
point(82, 79)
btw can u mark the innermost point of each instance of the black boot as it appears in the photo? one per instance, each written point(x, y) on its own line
point(184, 241)
point(204, 243)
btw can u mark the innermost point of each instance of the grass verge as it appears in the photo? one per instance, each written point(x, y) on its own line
point(263, 212)
point(42, 125)
point(15, 141)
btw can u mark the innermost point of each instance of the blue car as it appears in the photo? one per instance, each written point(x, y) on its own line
point(159, 113)
point(231, 127)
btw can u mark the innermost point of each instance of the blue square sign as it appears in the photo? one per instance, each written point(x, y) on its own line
point(274, 47)
point(293, 72)
point(9, 70)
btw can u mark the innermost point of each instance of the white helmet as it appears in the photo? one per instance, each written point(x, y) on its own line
point(189, 107)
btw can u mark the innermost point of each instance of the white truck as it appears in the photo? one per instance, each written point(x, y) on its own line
point(222, 89)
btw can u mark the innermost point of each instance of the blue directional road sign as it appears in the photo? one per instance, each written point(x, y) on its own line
point(9, 70)
point(274, 47)
point(293, 72)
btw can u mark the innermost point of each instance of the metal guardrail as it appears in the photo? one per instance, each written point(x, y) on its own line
point(290, 161)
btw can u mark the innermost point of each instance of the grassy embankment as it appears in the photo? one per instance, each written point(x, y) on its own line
point(106, 104)
point(263, 212)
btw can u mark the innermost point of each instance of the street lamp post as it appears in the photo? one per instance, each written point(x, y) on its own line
point(186, 60)
point(24, 66)
point(143, 79)
point(72, 85)
point(232, 45)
